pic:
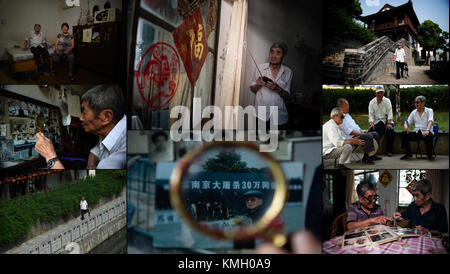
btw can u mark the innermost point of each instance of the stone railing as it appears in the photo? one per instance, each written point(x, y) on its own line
point(76, 230)
point(368, 62)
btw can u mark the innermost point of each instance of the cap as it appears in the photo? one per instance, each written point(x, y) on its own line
point(253, 193)
point(379, 89)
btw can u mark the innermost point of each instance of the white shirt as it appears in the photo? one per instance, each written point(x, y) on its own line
point(348, 125)
point(380, 112)
point(331, 137)
point(400, 55)
point(112, 151)
point(267, 97)
point(83, 205)
point(36, 40)
point(421, 122)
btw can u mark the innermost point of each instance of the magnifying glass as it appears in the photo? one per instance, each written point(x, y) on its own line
point(230, 191)
point(40, 123)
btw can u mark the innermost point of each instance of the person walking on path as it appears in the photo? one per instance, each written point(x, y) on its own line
point(83, 207)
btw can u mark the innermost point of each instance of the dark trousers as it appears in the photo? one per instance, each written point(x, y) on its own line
point(415, 136)
point(40, 52)
point(368, 138)
point(83, 211)
point(70, 59)
point(381, 129)
point(400, 67)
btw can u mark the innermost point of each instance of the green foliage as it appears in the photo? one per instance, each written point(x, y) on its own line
point(437, 98)
point(18, 216)
point(227, 162)
point(340, 23)
point(430, 35)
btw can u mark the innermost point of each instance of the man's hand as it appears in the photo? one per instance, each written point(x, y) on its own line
point(397, 216)
point(389, 126)
point(67, 51)
point(425, 133)
point(372, 125)
point(382, 220)
point(260, 82)
point(302, 242)
point(272, 85)
point(44, 147)
point(357, 141)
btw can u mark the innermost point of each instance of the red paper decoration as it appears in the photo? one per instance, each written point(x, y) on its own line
point(190, 40)
point(385, 178)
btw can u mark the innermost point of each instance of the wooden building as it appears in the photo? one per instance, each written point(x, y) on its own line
point(394, 22)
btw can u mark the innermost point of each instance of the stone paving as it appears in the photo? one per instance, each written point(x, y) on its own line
point(418, 75)
point(394, 162)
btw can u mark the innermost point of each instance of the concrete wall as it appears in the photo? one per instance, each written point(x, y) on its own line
point(18, 17)
point(442, 146)
point(296, 23)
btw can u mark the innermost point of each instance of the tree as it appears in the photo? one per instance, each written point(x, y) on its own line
point(340, 21)
point(227, 162)
point(430, 37)
point(445, 44)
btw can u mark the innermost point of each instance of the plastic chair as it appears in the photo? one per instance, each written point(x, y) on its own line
point(434, 142)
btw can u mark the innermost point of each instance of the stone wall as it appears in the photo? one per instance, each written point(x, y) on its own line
point(442, 145)
point(368, 62)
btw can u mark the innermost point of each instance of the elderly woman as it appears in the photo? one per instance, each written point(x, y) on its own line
point(64, 45)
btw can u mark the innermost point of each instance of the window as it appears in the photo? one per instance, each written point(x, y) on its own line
point(157, 77)
point(366, 175)
point(406, 177)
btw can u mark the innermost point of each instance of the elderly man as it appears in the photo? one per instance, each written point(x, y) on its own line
point(400, 60)
point(424, 213)
point(273, 86)
point(38, 45)
point(102, 113)
point(349, 129)
point(380, 118)
point(422, 118)
point(254, 202)
point(365, 211)
point(334, 145)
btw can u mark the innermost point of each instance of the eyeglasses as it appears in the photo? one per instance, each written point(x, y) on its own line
point(342, 116)
point(371, 198)
point(417, 102)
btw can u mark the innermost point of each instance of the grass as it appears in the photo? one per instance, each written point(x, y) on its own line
point(19, 215)
point(362, 119)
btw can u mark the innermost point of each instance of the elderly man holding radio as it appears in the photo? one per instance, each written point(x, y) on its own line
point(272, 84)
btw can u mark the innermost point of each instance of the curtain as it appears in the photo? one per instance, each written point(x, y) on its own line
point(350, 192)
point(228, 88)
point(437, 193)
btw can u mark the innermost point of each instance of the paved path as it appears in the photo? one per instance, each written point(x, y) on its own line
point(394, 162)
point(418, 75)
point(59, 229)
